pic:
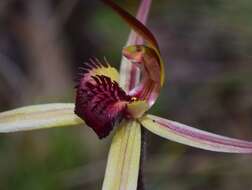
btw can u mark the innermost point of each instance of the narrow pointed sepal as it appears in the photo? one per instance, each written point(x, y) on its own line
point(187, 135)
point(124, 158)
point(39, 117)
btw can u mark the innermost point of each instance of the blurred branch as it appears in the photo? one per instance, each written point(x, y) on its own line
point(64, 11)
point(3, 7)
point(14, 78)
point(11, 74)
point(48, 59)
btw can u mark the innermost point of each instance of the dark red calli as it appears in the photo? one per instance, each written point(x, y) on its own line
point(100, 102)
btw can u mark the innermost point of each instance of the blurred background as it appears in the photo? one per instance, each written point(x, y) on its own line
point(207, 49)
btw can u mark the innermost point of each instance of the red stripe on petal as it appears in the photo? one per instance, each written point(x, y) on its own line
point(133, 78)
point(201, 139)
point(100, 102)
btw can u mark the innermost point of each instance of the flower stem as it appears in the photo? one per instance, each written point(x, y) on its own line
point(140, 183)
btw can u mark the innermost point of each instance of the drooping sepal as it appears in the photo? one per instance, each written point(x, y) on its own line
point(101, 103)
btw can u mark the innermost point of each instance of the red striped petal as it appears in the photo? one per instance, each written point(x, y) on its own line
point(187, 135)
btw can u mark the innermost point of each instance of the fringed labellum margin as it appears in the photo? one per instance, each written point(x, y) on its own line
point(101, 103)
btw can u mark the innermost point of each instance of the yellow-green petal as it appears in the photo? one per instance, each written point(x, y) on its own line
point(39, 117)
point(124, 158)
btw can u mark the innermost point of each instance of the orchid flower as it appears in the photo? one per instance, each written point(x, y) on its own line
point(107, 100)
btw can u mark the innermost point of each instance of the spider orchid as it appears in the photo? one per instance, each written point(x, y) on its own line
point(107, 100)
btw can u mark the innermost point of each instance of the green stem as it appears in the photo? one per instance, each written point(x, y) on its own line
point(140, 183)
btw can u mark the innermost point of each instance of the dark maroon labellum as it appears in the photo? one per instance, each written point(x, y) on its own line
point(100, 102)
